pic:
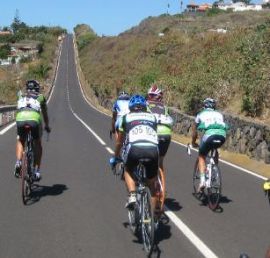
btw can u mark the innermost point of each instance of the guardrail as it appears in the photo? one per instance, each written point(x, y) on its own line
point(7, 114)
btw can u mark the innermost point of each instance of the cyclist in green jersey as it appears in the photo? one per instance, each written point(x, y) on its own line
point(211, 122)
point(164, 129)
point(30, 105)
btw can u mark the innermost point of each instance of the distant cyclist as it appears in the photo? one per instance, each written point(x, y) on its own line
point(211, 123)
point(164, 128)
point(120, 108)
point(140, 128)
point(31, 104)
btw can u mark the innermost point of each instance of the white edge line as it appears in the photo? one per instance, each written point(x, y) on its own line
point(109, 150)
point(229, 163)
point(7, 128)
point(199, 244)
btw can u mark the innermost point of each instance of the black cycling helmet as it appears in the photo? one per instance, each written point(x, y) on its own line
point(32, 85)
point(123, 96)
point(209, 103)
point(137, 103)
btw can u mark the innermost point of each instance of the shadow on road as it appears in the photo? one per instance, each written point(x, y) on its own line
point(172, 204)
point(40, 191)
point(219, 209)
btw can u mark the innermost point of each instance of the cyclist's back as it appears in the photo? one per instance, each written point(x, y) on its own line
point(31, 106)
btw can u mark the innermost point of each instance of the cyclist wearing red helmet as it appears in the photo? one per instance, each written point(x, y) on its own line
point(164, 128)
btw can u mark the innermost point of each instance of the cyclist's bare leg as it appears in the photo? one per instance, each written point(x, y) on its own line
point(162, 178)
point(37, 153)
point(19, 149)
point(201, 164)
point(129, 182)
point(152, 183)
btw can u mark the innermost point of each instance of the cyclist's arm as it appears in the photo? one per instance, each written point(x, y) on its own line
point(194, 134)
point(119, 143)
point(114, 116)
point(44, 111)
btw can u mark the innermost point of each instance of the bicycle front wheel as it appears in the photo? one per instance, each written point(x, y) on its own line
point(214, 191)
point(147, 221)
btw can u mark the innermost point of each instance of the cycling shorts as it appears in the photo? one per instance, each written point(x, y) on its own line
point(209, 142)
point(36, 129)
point(134, 153)
point(163, 144)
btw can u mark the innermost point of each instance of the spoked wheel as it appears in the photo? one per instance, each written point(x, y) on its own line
point(214, 191)
point(133, 219)
point(147, 222)
point(196, 183)
point(26, 187)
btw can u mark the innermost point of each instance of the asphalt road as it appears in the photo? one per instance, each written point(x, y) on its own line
point(78, 206)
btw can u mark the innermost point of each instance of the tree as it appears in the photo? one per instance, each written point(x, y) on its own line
point(244, 1)
point(17, 23)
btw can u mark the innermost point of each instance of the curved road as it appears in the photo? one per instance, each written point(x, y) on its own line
point(78, 209)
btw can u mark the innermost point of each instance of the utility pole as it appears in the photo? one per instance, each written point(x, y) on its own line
point(168, 7)
point(181, 5)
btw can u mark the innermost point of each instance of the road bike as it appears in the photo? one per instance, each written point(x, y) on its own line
point(141, 216)
point(213, 186)
point(27, 166)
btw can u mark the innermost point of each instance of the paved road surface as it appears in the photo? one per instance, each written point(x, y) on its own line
point(78, 210)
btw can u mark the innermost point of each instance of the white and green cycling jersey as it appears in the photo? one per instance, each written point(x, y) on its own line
point(29, 107)
point(211, 122)
point(140, 128)
point(165, 122)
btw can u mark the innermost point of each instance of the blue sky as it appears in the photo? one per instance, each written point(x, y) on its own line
point(106, 17)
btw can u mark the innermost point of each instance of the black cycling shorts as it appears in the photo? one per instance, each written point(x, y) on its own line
point(133, 155)
point(163, 144)
point(211, 142)
point(36, 129)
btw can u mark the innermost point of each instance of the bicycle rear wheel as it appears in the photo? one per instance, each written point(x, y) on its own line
point(214, 191)
point(147, 221)
point(26, 188)
point(133, 219)
point(196, 182)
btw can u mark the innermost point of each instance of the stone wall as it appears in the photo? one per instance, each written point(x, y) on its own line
point(243, 137)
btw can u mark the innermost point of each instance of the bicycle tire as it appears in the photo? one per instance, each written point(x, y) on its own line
point(214, 191)
point(133, 219)
point(196, 182)
point(25, 180)
point(147, 221)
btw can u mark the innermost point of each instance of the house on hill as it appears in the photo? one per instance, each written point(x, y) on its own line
point(239, 7)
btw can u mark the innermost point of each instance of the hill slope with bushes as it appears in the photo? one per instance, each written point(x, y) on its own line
point(188, 58)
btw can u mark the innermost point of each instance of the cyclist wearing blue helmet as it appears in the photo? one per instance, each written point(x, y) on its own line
point(120, 108)
point(139, 130)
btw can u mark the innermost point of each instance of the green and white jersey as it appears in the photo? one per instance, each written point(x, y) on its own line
point(29, 107)
point(211, 122)
point(165, 121)
point(140, 128)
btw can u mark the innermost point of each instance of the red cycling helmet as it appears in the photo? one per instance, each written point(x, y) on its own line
point(154, 93)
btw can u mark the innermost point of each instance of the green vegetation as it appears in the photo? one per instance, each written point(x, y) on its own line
point(191, 61)
point(39, 66)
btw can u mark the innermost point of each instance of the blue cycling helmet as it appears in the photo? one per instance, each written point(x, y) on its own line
point(137, 103)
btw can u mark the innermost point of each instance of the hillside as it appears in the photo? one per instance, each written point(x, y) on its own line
point(190, 62)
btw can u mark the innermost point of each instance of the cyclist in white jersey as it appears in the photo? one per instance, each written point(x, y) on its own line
point(211, 122)
point(120, 108)
point(139, 129)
